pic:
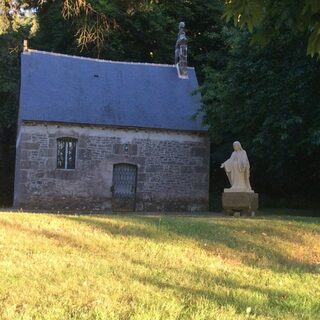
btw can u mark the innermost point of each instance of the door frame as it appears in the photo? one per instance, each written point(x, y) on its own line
point(135, 185)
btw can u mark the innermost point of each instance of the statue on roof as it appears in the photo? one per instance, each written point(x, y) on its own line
point(181, 50)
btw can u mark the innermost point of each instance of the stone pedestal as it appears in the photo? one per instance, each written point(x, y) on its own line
point(240, 202)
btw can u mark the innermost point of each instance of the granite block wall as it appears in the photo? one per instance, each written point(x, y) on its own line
point(173, 168)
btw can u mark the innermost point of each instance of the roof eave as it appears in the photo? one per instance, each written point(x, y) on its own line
point(203, 131)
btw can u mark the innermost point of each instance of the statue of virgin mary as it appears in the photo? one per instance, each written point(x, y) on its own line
point(237, 168)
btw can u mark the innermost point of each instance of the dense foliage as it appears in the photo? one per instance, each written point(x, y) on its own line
point(270, 18)
point(269, 99)
point(265, 96)
point(11, 41)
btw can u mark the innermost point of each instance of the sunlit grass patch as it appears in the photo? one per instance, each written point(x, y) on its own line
point(158, 267)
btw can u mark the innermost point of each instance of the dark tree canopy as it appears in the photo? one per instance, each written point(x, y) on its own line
point(270, 18)
point(269, 99)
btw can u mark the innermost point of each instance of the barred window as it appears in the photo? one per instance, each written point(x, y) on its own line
point(66, 153)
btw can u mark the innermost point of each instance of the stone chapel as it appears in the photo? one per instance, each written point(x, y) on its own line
point(99, 135)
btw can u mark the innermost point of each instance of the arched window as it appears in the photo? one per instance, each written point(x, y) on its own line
point(66, 153)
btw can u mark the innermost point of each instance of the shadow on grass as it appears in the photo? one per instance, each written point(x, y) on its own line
point(264, 301)
point(221, 290)
point(59, 238)
point(256, 242)
point(105, 225)
point(240, 240)
point(249, 241)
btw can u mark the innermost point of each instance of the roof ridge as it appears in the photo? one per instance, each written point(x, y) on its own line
point(100, 60)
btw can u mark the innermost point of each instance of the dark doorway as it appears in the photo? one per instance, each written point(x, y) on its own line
point(124, 187)
point(7, 158)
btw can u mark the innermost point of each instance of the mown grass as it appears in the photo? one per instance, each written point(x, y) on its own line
point(158, 267)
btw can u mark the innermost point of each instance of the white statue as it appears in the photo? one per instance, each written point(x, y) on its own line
point(238, 170)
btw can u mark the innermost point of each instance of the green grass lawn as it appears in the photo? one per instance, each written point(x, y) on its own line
point(158, 267)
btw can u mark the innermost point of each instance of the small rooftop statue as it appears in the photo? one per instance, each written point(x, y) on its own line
point(181, 52)
point(181, 37)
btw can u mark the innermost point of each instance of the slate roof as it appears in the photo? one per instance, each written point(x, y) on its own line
point(71, 89)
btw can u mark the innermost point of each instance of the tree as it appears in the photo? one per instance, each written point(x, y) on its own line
point(19, 28)
point(143, 33)
point(93, 19)
point(268, 98)
point(270, 18)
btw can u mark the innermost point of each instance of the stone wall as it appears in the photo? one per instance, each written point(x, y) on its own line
point(173, 168)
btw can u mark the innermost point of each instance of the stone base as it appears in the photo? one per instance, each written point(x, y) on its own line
point(241, 202)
